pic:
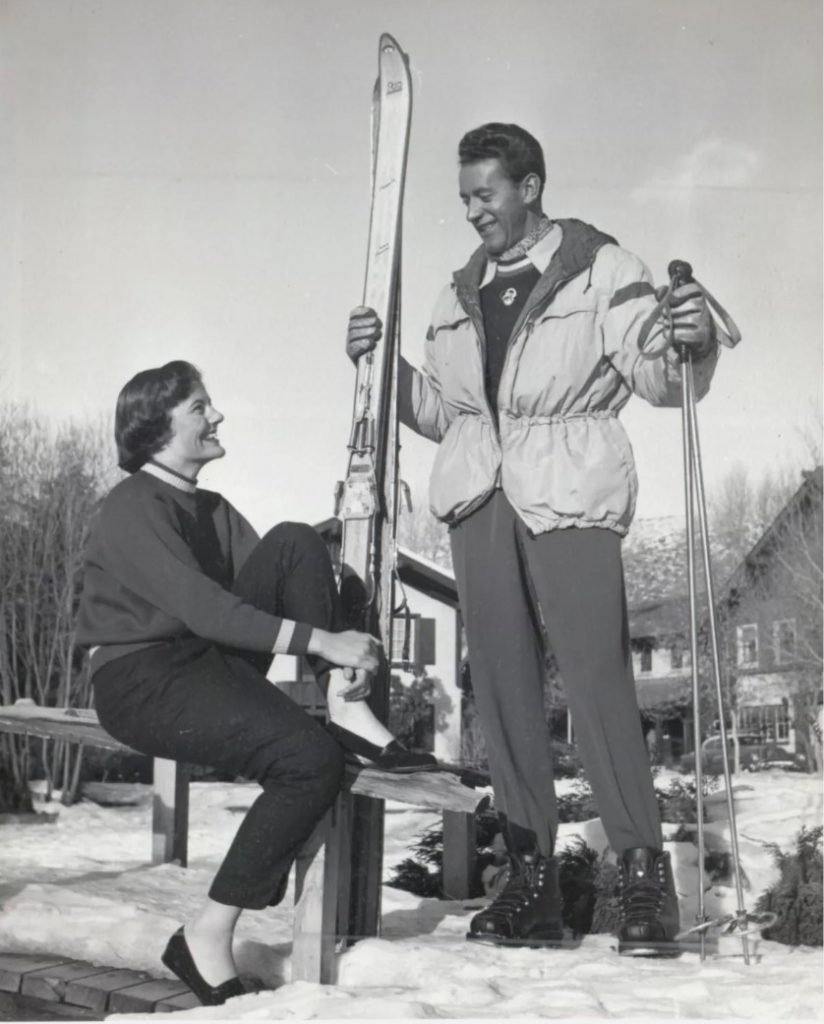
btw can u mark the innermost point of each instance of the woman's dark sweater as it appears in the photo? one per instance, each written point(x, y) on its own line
point(159, 565)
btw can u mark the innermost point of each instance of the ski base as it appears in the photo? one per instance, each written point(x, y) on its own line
point(550, 941)
point(657, 950)
point(364, 762)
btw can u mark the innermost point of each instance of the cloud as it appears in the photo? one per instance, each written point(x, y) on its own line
point(714, 163)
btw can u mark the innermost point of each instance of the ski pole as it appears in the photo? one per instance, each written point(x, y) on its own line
point(680, 273)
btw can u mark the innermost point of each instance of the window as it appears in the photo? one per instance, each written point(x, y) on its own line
point(676, 657)
point(401, 635)
point(747, 645)
point(646, 659)
point(770, 721)
point(415, 637)
point(784, 641)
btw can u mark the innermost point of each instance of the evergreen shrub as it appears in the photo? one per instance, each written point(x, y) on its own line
point(796, 897)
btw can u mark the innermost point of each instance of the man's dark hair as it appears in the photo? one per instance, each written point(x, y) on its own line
point(142, 425)
point(519, 152)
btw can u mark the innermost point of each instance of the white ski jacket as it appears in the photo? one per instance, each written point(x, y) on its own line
point(559, 453)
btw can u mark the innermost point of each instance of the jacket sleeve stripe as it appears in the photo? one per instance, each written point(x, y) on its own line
point(636, 290)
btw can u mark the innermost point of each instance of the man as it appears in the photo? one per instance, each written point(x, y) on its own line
point(531, 353)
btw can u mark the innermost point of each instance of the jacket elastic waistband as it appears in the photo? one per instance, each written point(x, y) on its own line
point(598, 414)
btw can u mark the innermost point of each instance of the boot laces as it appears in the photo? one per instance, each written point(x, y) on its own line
point(520, 889)
point(641, 895)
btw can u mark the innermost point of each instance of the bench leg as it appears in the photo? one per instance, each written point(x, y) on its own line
point(344, 844)
point(170, 812)
point(316, 901)
point(459, 854)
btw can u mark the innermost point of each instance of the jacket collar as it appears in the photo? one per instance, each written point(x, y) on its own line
point(539, 255)
point(579, 244)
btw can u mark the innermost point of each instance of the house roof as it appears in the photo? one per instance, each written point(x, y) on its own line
point(655, 618)
point(810, 492)
point(416, 572)
point(423, 575)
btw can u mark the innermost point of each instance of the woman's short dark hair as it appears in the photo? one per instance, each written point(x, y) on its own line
point(142, 425)
point(519, 152)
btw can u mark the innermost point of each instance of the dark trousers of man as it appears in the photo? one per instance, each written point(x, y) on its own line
point(572, 579)
point(193, 701)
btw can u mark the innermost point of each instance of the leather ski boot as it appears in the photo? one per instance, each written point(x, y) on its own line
point(648, 904)
point(527, 911)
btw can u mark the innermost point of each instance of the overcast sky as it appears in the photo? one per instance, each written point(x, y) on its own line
point(190, 179)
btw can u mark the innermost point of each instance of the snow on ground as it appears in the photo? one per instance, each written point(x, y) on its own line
point(83, 887)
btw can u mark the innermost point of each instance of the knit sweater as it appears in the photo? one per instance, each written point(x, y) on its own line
point(159, 565)
point(502, 300)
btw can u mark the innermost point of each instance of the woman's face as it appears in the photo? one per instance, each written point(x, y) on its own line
point(194, 431)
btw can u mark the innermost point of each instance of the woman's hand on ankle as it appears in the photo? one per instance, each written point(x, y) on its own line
point(349, 649)
point(359, 685)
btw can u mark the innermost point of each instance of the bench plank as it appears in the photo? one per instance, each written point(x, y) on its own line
point(170, 810)
point(56, 723)
point(436, 791)
point(433, 790)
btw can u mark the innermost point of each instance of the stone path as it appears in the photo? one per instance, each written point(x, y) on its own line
point(92, 992)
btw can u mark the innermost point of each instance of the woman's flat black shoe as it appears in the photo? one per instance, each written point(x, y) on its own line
point(178, 959)
point(394, 757)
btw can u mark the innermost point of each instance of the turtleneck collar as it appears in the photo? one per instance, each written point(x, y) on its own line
point(169, 476)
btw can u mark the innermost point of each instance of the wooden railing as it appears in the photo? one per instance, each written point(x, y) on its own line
point(324, 865)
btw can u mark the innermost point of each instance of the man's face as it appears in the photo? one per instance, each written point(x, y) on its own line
point(495, 205)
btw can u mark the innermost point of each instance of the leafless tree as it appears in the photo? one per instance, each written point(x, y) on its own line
point(51, 482)
point(420, 531)
point(740, 508)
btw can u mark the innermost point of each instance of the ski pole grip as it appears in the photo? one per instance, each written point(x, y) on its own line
point(680, 272)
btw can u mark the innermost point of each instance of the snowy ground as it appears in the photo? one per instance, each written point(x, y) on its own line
point(82, 887)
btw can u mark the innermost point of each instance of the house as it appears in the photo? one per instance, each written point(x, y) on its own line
point(662, 666)
point(770, 611)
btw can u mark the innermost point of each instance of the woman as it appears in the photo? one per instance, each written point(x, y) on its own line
point(183, 608)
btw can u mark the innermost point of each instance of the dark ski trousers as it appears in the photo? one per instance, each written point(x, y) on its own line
point(509, 582)
point(194, 701)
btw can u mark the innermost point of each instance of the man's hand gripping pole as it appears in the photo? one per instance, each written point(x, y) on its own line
point(680, 273)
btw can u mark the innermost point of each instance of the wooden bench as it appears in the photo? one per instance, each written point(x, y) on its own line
point(324, 866)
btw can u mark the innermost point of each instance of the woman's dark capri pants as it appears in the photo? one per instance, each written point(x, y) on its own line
point(194, 701)
point(509, 580)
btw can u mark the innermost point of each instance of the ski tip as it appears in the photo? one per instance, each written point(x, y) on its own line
point(388, 44)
